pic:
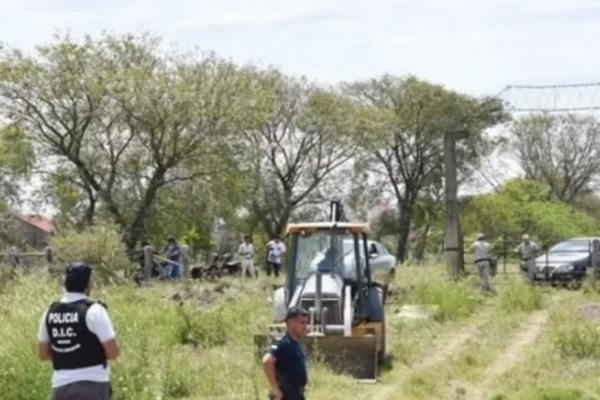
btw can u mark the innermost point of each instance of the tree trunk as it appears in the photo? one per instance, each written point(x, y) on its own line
point(136, 230)
point(404, 221)
point(422, 241)
point(90, 211)
point(452, 236)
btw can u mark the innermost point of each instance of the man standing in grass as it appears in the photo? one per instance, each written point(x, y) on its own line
point(275, 251)
point(77, 335)
point(284, 364)
point(527, 250)
point(481, 249)
point(246, 252)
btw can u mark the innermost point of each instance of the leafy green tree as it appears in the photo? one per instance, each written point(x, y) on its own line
point(295, 148)
point(404, 121)
point(122, 119)
point(522, 206)
point(16, 160)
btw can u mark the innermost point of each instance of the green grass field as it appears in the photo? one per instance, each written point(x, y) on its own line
point(194, 341)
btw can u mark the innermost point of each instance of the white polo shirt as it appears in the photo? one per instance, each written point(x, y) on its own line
point(99, 323)
point(246, 251)
point(276, 252)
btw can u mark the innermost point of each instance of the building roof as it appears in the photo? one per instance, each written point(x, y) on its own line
point(39, 221)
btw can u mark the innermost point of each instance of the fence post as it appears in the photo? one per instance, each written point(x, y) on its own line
point(14, 257)
point(185, 260)
point(49, 254)
point(546, 269)
point(504, 254)
point(595, 258)
point(148, 253)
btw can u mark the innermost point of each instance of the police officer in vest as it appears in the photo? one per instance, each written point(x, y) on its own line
point(77, 335)
point(284, 364)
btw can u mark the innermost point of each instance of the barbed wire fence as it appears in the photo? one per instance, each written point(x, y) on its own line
point(562, 98)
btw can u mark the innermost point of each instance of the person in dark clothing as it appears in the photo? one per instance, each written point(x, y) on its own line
point(76, 334)
point(173, 253)
point(284, 364)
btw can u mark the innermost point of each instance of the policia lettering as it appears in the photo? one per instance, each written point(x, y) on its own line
point(73, 344)
point(63, 331)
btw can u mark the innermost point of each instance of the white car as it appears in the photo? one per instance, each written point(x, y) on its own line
point(380, 259)
point(382, 263)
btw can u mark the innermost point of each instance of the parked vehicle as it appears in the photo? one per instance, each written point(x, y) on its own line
point(566, 261)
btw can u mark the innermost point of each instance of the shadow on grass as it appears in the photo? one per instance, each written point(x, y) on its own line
point(388, 363)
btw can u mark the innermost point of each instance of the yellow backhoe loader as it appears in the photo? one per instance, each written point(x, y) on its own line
point(328, 274)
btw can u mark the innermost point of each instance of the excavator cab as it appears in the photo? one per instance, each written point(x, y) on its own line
point(329, 276)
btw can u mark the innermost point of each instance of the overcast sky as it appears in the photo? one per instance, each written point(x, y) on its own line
point(473, 46)
point(477, 47)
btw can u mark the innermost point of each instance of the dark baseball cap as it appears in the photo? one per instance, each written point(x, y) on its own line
point(77, 276)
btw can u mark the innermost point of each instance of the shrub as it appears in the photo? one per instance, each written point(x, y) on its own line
point(98, 245)
point(577, 340)
point(519, 296)
point(205, 330)
point(454, 299)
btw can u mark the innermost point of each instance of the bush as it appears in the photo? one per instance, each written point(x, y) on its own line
point(98, 245)
point(454, 299)
point(578, 340)
point(205, 330)
point(519, 296)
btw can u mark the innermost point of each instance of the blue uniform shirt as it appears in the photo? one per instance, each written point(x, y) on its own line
point(290, 366)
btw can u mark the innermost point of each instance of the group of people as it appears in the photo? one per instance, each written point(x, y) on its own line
point(170, 266)
point(76, 334)
point(275, 251)
point(527, 251)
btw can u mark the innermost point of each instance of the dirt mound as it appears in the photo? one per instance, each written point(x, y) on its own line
point(202, 296)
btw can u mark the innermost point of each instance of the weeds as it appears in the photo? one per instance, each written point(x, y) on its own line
point(454, 299)
point(519, 296)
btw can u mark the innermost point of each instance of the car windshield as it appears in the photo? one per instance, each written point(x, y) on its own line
point(581, 246)
point(324, 250)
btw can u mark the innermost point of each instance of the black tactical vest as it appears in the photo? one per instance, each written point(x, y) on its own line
point(73, 345)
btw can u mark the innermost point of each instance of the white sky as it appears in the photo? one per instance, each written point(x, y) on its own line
point(473, 46)
point(476, 47)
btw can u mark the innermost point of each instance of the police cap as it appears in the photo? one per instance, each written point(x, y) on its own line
point(77, 276)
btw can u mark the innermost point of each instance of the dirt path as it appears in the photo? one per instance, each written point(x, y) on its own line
point(518, 346)
point(443, 351)
point(520, 342)
point(452, 345)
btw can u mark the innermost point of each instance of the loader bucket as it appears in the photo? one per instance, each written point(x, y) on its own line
point(352, 355)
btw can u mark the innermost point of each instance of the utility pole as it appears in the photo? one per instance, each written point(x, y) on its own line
point(453, 240)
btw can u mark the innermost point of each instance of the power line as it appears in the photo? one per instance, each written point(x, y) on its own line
point(576, 97)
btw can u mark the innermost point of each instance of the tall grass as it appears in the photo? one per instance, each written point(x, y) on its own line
point(454, 299)
point(519, 296)
point(168, 350)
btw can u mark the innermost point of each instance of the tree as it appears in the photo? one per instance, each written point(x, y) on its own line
point(295, 147)
point(121, 121)
point(523, 206)
point(16, 160)
point(562, 151)
point(404, 122)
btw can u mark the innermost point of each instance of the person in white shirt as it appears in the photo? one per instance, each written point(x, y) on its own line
point(77, 335)
point(481, 249)
point(246, 252)
point(275, 251)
